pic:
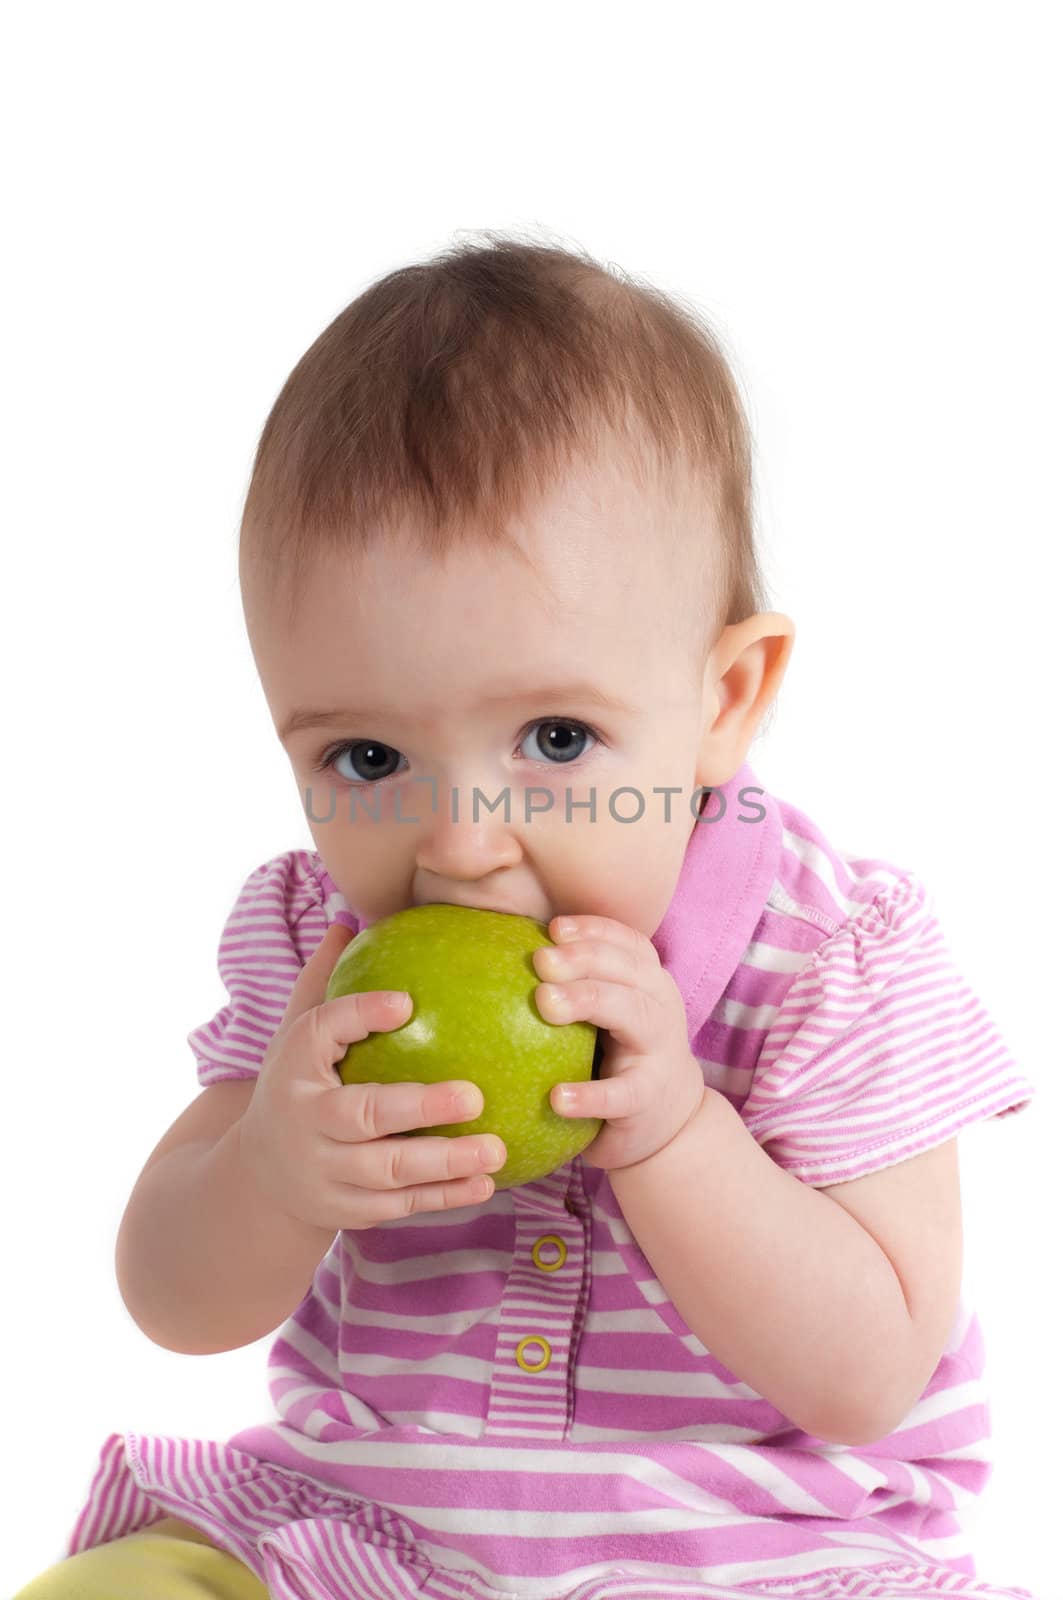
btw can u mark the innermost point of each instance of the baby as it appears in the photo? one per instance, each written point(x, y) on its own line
point(502, 591)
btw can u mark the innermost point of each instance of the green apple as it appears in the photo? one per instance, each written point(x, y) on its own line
point(470, 977)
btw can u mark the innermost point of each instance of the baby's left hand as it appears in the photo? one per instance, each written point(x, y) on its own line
point(650, 1084)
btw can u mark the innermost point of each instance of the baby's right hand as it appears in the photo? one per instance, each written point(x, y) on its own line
point(324, 1151)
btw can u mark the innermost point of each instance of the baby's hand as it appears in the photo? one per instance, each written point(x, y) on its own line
point(649, 1083)
point(322, 1150)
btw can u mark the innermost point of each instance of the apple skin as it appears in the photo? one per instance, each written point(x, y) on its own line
point(470, 977)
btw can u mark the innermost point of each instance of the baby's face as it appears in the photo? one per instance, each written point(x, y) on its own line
point(443, 678)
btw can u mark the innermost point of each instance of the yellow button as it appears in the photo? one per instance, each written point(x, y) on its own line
point(562, 1252)
point(539, 1365)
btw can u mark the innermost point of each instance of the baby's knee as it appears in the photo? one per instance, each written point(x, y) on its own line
point(147, 1566)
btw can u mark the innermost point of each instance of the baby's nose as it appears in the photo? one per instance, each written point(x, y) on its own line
point(466, 849)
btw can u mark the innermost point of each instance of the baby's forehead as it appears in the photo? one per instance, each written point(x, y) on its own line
point(602, 552)
point(482, 630)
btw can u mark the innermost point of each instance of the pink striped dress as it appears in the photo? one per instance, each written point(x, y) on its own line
point(500, 1402)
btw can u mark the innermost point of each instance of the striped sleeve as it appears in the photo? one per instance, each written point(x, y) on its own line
point(275, 925)
point(879, 1050)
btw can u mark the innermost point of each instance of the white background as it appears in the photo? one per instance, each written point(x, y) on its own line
point(863, 200)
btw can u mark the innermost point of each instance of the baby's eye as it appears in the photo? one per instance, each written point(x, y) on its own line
point(561, 742)
point(369, 758)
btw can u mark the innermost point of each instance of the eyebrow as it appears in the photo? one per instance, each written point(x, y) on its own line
point(586, 692)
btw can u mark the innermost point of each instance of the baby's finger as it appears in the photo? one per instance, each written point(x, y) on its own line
point(400, 1163)
point(606, 929)
point(607, 1098)
point(357, 1112)
point(320, 1037)
point(630, 1013)
point(310, 985)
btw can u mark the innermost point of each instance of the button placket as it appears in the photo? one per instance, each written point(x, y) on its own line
point(540, 1311)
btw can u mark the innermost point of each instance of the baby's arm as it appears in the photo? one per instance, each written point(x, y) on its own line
point(834, 1304)
point(204, 1261)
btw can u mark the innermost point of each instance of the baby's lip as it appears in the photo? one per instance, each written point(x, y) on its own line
point(478, 905)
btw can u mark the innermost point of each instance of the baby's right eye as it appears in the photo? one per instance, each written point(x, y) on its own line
point(371, 753)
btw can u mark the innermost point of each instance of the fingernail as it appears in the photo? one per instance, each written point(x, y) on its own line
point(394, 999)
point(556, 995)
point(566, 1096)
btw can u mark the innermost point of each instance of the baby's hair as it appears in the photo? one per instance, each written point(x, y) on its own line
point(451, 394)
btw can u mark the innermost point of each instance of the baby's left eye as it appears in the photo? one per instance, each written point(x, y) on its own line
point(560, 743)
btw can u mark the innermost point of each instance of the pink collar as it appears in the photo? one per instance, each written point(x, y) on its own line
point(727, 875)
